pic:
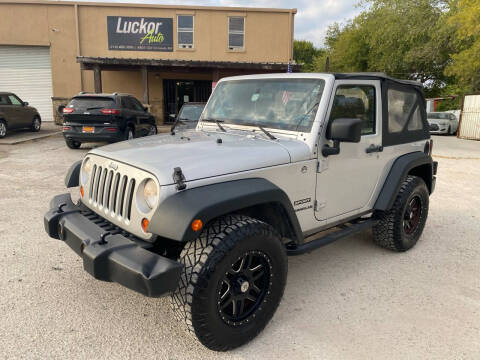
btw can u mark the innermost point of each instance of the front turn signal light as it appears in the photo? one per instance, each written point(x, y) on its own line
point(197, 225)
point(81, 191)
point(145, 223)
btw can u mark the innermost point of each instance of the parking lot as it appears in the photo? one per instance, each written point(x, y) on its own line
point(348, 300)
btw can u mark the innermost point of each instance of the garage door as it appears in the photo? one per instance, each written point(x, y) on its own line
point(26, 71)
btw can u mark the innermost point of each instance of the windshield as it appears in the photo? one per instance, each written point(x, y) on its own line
point(438, 116)
point(84, 103)
point(191, 112)
point(287, 104)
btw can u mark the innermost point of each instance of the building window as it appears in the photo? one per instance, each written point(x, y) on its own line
point(185, 31)
point(236, 33)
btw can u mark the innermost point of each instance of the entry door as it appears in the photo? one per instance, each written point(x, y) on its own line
point(347, 181)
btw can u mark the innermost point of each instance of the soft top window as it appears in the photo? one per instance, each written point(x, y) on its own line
point(404, 115)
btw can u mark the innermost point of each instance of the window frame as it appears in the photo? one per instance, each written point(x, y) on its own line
point(15, 97)
point(179, 29)
point(375, 105)
point(236, 32)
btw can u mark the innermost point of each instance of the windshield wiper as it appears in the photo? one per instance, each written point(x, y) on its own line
point(270, 136)
point(305, 115)
point(216, 121)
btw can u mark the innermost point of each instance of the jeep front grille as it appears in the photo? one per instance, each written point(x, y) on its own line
point(112, 191)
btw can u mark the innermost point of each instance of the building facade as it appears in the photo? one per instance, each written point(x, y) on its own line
point(163, 55)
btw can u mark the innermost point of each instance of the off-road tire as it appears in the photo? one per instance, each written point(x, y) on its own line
point(72, 144)
point(36, 127)
point(4, 131)
point(390, 231)
point(206, 261)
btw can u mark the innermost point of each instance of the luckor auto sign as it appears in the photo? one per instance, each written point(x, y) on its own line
point(140, 33)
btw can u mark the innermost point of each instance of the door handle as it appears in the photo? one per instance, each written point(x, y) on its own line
point(374, 148)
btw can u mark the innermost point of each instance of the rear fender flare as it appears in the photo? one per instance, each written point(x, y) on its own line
point(416, 163)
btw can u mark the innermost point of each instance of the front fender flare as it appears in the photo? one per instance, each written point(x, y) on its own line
point(174, 216)
point(72, 177)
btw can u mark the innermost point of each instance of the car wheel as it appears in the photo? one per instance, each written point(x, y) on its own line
point(400, 228)
point(152, 130)
point(129, 133)
point(36, 124)
point(233, 279)
point(3, 128)
point(72, 144)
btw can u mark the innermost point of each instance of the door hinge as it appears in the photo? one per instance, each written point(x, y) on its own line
point(322, 165)
point(317, 206)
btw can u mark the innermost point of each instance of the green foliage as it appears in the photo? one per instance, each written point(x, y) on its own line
point(304, 52)
point(465, 65)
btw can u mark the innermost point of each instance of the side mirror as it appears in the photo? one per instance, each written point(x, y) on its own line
point(342, 130)
point(145, 108)
point(25, 103)
point(60, 109)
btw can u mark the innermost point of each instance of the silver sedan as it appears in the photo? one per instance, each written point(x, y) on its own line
point(442, 123)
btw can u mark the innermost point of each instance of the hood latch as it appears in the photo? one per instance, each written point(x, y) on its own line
point(179, 178)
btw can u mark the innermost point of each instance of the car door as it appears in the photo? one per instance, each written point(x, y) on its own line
point(20, 115)
point(346, 182)
point(6, 111)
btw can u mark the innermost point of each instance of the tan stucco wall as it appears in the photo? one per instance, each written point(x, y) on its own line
point(268, 38)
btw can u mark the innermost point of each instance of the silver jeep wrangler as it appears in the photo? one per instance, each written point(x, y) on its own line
point(210, 214)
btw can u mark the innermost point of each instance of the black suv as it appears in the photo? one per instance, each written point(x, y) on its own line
point(110, 118)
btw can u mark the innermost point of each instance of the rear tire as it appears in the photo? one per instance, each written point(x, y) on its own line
point(233, 280)
point(400, 228)
point(153, 130)
point(72, 144)
point(3, 128)
point(36, 124)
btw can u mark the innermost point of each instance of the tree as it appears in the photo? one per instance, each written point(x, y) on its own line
point(404, 38)
point(304, 52)
point(465, 64)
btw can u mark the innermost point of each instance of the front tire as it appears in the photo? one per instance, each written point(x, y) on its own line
point(232, 283)
point(129, 133)
point(3, 128)
point(36, 124)
point(72, 144)
point(400, 228)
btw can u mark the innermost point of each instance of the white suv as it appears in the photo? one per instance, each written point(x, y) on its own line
point(210, 215)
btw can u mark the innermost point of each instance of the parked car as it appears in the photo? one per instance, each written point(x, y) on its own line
point(17, 114)
point(210, 214)
point(188, 116)
point(109, 118)
point(442, 123)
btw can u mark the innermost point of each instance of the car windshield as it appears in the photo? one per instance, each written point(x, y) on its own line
point(287, 104)
point(84, 103)
point(442, 116)
point(191, 112)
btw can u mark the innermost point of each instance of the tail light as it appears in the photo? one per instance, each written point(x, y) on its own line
point(111, 129)
point(66, 128)
point(428, 147)
point(110, 111)
point(67, 110)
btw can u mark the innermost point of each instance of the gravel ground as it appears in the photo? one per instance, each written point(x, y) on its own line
point(348, 300)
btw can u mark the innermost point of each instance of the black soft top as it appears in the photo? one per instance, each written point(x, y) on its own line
point(375, 76)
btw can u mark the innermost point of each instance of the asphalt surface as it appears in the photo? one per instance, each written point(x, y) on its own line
point(348, 300)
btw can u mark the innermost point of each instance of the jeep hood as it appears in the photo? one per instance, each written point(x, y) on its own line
point(203, 154)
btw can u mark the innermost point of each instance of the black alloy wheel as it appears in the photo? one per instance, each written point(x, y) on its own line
point(244, 287)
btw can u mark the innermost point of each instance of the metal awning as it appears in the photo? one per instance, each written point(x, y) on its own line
point(109, 63)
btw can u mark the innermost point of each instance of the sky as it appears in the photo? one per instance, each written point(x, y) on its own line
point(311, 21)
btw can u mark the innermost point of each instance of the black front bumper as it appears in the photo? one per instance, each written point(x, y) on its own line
point(107, 254)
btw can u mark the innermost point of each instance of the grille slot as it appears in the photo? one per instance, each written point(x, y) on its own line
point(112, 191)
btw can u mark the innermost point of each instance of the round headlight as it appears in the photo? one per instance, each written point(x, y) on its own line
point(150, 193)
point(87, 166)
point(86, 171)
